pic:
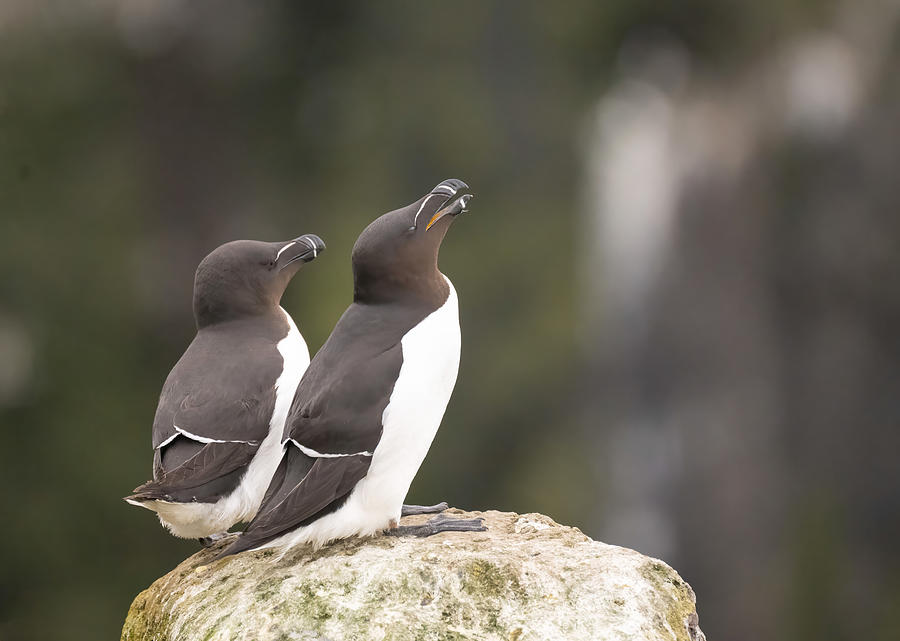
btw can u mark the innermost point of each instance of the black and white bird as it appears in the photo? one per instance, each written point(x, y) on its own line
point(218, 426)
point(368, 408)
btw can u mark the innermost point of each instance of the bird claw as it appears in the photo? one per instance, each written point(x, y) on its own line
point(212, 539)
point(410, 510)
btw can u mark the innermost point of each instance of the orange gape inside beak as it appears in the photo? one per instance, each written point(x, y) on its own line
point(435, 218)
point(458, 206)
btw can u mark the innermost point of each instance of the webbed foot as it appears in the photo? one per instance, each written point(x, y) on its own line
point(437, 525)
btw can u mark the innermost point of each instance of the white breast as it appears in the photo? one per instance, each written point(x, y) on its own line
point(413, 414)
point(197, 520)
point(411, 419)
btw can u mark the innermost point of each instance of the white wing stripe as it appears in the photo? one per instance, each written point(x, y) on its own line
point(168, 440)
point(314, 454)
point(203, 439)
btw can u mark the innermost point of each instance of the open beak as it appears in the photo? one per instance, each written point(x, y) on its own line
point(304, 248)
point(458, 197)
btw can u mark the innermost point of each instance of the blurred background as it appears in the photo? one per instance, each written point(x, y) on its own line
point(678, 280)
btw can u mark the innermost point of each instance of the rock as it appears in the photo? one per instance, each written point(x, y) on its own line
point(525, 579)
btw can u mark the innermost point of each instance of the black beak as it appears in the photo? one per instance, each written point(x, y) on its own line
point(304, 248)
point(457, 195)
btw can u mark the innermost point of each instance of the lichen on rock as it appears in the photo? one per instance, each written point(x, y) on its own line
point(526, 578)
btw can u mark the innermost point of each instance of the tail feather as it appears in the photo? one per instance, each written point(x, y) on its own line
point(213, 472)
point(149, 491)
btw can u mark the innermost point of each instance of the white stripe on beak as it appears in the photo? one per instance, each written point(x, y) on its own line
point(312, 246)
point(422, 206)
point(281, 251)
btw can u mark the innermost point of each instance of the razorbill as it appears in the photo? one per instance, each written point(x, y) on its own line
point(373, 397)
point(218, 426)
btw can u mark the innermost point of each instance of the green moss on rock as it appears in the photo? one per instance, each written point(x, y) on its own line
point(486, 579)
point(681, 607)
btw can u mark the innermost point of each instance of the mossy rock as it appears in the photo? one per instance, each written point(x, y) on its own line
point(526, 578)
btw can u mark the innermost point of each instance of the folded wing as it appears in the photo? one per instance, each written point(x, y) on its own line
point(330, 436)
point(208, 426)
